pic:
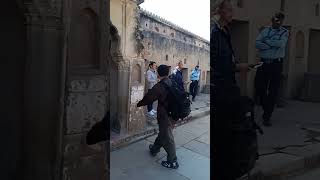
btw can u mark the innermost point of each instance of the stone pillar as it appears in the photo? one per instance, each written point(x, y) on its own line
point(123, 95)
point(137, 119)
point(42, 95)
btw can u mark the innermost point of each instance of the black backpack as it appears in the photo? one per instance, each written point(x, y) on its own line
point(245, 143)
point(179, 102)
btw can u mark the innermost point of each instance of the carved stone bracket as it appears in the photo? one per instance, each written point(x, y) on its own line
point(41, 14)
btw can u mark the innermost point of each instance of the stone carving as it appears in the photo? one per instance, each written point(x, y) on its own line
point(41, 13)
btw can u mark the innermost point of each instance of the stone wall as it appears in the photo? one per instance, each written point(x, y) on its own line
point(87, 89)
point(167, 43)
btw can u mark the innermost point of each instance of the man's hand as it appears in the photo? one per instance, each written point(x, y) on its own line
point(243, 67)
point(139, 104)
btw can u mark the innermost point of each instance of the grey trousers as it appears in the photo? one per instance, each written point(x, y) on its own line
point(165, 139)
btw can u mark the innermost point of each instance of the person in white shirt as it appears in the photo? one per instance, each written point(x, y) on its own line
point(152, 79)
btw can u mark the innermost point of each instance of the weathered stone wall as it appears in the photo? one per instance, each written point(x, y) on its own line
point(87, 99)
point(126, 118)
point(166, 43)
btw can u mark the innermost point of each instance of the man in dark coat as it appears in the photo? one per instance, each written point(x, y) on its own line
point(178, 76)
point(165, 137)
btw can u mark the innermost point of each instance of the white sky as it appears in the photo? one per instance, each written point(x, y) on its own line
point(191, 15)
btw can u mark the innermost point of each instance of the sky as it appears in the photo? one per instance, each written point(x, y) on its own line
point(191, 15)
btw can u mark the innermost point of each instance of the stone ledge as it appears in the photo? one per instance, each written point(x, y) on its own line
point(127, 140)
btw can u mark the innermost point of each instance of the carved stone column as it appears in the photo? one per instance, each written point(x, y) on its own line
point(42, 92)
point(137, 119)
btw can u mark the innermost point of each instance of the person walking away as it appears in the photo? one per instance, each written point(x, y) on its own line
point(152, 79)
point(177, 75)
point(194, 77)
point(225, 93)
point(271, 43)
point(165, 137)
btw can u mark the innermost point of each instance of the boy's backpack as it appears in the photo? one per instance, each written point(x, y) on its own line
point(245, 143)
point(179, 102)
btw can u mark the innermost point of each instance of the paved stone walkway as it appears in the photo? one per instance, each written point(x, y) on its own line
point(313, 174)
point(291, 141)
point(193, 150)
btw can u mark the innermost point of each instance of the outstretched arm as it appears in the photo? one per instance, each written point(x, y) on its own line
point(151, 96)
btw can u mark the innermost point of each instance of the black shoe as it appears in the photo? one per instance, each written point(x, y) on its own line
point(193, 99)
point(172, 165)
point(152, 152)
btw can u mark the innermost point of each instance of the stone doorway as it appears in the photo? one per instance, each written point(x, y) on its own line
point(313, 60)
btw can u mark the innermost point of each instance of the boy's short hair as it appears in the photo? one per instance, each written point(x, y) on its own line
point(163, 70)
point(151, 63)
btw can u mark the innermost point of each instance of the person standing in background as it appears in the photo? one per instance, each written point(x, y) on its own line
point(271, 43)
point(152, 79)
point(177, 75)
point(194, 77)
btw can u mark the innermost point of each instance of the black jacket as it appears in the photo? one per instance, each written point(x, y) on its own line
point(221, 57)
point(178, 77)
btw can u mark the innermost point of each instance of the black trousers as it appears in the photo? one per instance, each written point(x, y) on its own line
point(223, 106)
point(194, 88)
point(150, 106)
point(267, 83)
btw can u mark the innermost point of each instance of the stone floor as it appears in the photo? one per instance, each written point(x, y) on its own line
point(295, 135)
point(193, 150)
point(313, 174)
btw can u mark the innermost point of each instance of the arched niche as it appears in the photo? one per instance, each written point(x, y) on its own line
point(136, 74)
point(84, 40)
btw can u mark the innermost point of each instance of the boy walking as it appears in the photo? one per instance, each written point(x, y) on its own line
point(165, 137)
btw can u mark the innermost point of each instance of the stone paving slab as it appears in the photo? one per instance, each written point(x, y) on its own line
point(198, 147)
point(120, 159)
point(313, 174)
point(192, 165)
point(278, 163)
point(182, 137)
point(205, 138)
point(196, 129)
point(153, 171)
point(135, 163)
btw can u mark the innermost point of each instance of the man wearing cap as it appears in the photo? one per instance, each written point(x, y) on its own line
point(271, 44)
